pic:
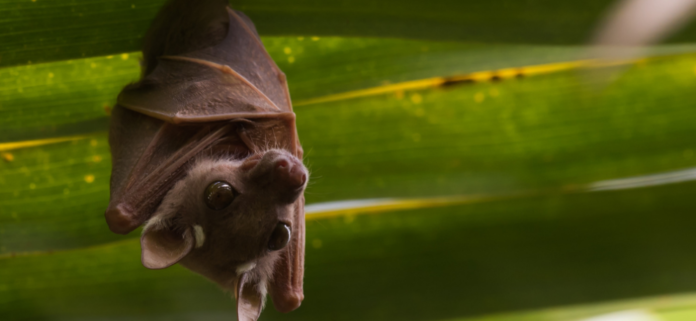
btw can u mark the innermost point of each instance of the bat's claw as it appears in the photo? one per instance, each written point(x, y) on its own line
point(288, 301)
point(120, 219)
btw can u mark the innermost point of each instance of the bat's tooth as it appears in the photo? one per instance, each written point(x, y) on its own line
point(199, 234)
point(245, 267)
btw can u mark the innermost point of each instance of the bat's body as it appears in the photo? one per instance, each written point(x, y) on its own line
point(206, 156)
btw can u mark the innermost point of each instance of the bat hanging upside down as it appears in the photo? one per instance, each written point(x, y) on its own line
point(206, 156)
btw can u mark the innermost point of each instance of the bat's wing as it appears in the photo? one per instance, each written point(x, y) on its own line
point(286, 287)
point(235, 78)
point(148, 157)
point(204, 66)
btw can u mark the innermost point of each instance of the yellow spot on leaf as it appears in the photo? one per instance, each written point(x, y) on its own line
point(493, 92)
point(109, 57)
point(416, 98)
point(32, 186)
point(38, 142)
point(291, 59)
point(287, 50)
point(7, 157)
point(399, 94)
point(479, 97)
point(50, 75)
point(96, 158)
point(89, 178)
point(300, 38)
point(315, 38)
point(439, 81)
point(132, 6)
point(93, 65)
point(124, 56)
point(93, 142)
point(317, 243)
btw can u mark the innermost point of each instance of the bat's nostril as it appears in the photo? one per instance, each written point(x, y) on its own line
point(296, 176)
point(291, 175)
point(282, 163)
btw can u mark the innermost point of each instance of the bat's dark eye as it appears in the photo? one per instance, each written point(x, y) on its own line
point(280, 237)
point(219, 195)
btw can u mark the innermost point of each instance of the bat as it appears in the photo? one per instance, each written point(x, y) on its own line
point(206, 157)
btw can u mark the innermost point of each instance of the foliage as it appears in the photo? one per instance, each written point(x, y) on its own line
point(493, 154)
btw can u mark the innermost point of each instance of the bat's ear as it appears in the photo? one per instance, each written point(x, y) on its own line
point(163, 243)
point(249, 298)
point(163, 247)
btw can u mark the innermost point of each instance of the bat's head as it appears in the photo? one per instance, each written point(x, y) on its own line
point(229, 220)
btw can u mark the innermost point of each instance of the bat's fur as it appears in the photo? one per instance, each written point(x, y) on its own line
point(211, 106)
point(230, 241)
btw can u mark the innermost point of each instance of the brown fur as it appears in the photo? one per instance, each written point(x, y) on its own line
point(209, 97)
point(238, 234)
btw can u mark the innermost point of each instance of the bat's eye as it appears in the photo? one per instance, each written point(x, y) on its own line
point(219, 195)
point(280, 237)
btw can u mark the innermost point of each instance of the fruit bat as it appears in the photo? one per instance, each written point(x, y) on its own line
point(206, 157)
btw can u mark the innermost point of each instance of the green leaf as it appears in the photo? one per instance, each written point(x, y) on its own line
point(477, 166)
point(74, 97)
point(52, 197)
point(62, 98)
point(517, 135)
point(41, 30)
point(506, 254)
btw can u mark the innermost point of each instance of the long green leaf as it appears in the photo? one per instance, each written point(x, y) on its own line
point(428, 264)
point(40, 31)
point(518, 135)
point(484, 196)
point(74, 97)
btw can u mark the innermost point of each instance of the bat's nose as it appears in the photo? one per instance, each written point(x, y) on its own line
point(290, 172)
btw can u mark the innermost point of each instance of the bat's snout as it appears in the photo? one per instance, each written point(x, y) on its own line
point(282, 173)
point(283, 170)
point(290, 172)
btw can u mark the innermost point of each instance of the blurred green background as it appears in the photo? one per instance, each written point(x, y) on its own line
point(516, 192)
